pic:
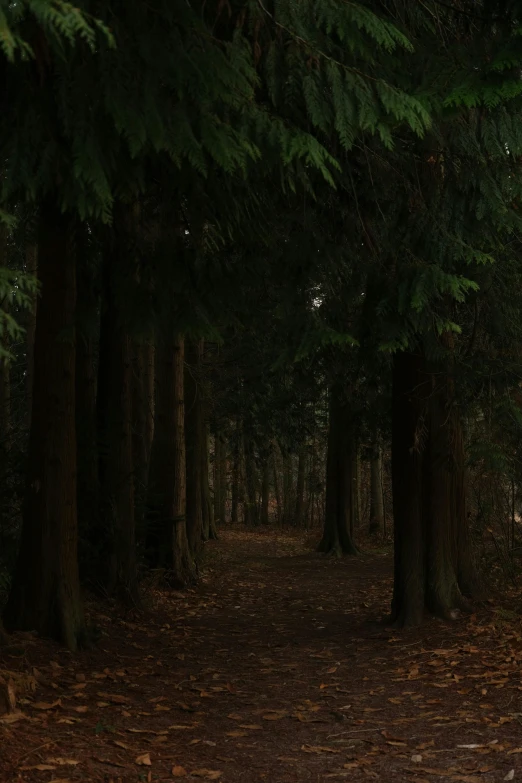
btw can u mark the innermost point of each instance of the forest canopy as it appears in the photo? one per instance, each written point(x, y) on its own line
point(260, 262)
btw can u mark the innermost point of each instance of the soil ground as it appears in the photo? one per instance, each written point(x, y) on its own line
point(277, 667)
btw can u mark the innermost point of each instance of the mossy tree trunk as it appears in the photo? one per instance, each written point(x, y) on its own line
point(45, 594)
point(340, 495)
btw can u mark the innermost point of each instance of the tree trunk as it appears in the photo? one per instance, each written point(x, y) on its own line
point(45, 594)
point(299, 516)
point(408, 434)
point(433, 565)
point(277, 486)
point(376, 498)
point(87, 456)
point(209, 527)
point(220, 480)
point(251, 507)
point(265, 493)
point(31, 265)
point(288, 489)
point(5, 370)
point(236, 473)
point(115, 415)
point(340, 496)
point(143, 423)
point(195, 439)
point(167, 537)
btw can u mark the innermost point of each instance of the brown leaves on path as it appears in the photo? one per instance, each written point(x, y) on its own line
point(276, 668)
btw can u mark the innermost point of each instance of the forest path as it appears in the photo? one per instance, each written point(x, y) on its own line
point(276, 668)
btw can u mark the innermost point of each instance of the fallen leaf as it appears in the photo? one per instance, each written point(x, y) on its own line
point(82, 708)
point(40, 768)
point(13, 717)
point(275, 715)
point(209, 774)
point(510, 775)
point(43, 705)
point(417, 759)
point(115, 698)
point(63, 762)
point(318, 749)
point(178, 772)
point(144, 760)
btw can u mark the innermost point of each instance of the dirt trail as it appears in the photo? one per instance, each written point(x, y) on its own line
point(276, 668)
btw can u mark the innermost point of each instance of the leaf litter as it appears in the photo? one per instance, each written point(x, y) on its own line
point(277, 665)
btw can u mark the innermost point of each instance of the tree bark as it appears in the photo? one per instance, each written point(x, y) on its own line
point(408, 434)
point(45, 594)
point(209, 526)
point(31, 265)
point(168, 544)
point(220, 480)
point(288, 489)
point(195, 439)
point(265, 493)
point(340, 496)
point(87, 456)
point(115, 414)
point(251, 507)
point(236, 473)
point(300, 490)
point(376, 498)
point(277, 486)
point(143, 424)
point(433, 563)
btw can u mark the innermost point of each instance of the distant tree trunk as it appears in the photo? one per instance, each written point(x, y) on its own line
point(299, 516)
point(288, 489)
point(5, 369)
point(467, 570)
point(220, 480)
point(45, 594)
point(31, 265)
point(356, 516)
point(87, 455)
point(277, 486)
point(87, 328)
point(376, 498)
point(209, 526)
point(115, 415)
point(236, 470)
point(265, 493)
point(251, 507)
point(168, 544)
point(195, 440)
point(408, 434)
point(340, 500)
point(143, 424)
